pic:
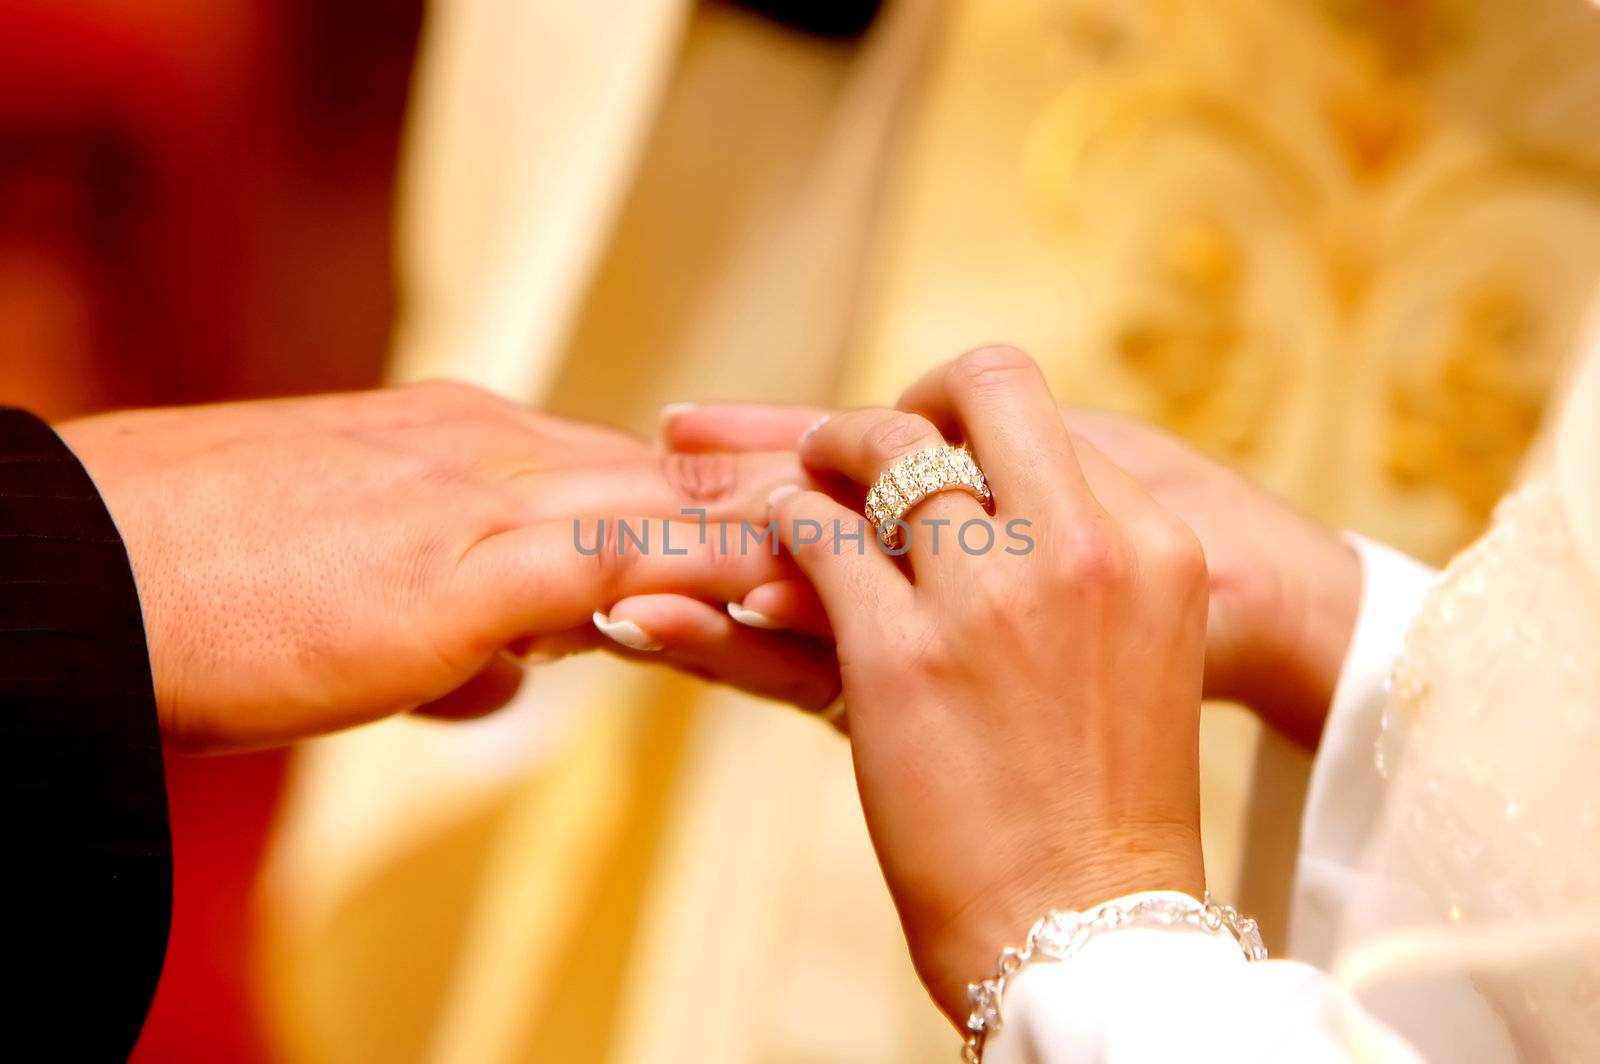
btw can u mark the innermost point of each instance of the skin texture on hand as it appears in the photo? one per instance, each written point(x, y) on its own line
point(310, 564)
point(1025, 726)
point(1284, 590)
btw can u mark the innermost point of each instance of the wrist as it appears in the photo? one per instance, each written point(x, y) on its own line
point(963, 950)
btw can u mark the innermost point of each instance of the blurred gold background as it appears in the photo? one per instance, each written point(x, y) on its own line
point(1345, 244)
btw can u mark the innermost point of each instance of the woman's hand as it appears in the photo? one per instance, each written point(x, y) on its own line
point(1284, 588)
point(310, 564)
point(1024, 722)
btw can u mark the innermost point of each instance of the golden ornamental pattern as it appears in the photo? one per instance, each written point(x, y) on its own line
point(1398, 200)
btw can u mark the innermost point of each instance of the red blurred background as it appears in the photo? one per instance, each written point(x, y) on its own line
point(195, 201)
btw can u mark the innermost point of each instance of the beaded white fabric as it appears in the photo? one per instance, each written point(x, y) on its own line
point(1491, 749)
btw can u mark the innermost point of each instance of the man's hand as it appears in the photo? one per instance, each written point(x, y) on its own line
point(1284, 589)
point(310, 564)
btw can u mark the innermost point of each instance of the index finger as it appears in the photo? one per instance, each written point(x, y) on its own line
point(695, 427)
point(553, 575)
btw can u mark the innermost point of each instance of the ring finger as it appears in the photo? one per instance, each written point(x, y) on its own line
point(861, 445)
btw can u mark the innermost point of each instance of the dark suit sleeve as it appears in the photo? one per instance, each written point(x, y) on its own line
point(88, 854)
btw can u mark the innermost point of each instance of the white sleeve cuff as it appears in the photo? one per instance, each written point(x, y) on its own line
point(1069, 1010)
point(1180, 993)
point(1346, 792)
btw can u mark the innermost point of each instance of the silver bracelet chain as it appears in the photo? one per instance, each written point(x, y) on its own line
point(1058, 936)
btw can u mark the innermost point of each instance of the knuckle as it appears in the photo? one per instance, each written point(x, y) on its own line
point(1095, 559)
point(895, 435)
point(809, 533)
point(445, 400)
point(701, 477)
point(613, 559)
point(421, 565)
point(1174, 549)
point(987, 367)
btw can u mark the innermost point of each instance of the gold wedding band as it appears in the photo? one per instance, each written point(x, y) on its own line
point(914, 477)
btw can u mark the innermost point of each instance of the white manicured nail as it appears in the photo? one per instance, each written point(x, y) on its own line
point(751, 618)
point(625, 633)
point(780, 493)
point(672, 411)
point(812, 431)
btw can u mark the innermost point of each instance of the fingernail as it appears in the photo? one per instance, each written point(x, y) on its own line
point(751, 618)
point(625, 633)
point(812, 431)
point(672, 411)
point(780, 493)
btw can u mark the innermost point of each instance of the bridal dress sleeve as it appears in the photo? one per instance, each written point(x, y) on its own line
point(88, 866)
point(1346, 791)
point(1450, 864)
point(1147, 994)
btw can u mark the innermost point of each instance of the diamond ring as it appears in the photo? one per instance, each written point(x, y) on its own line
point(914, 477)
